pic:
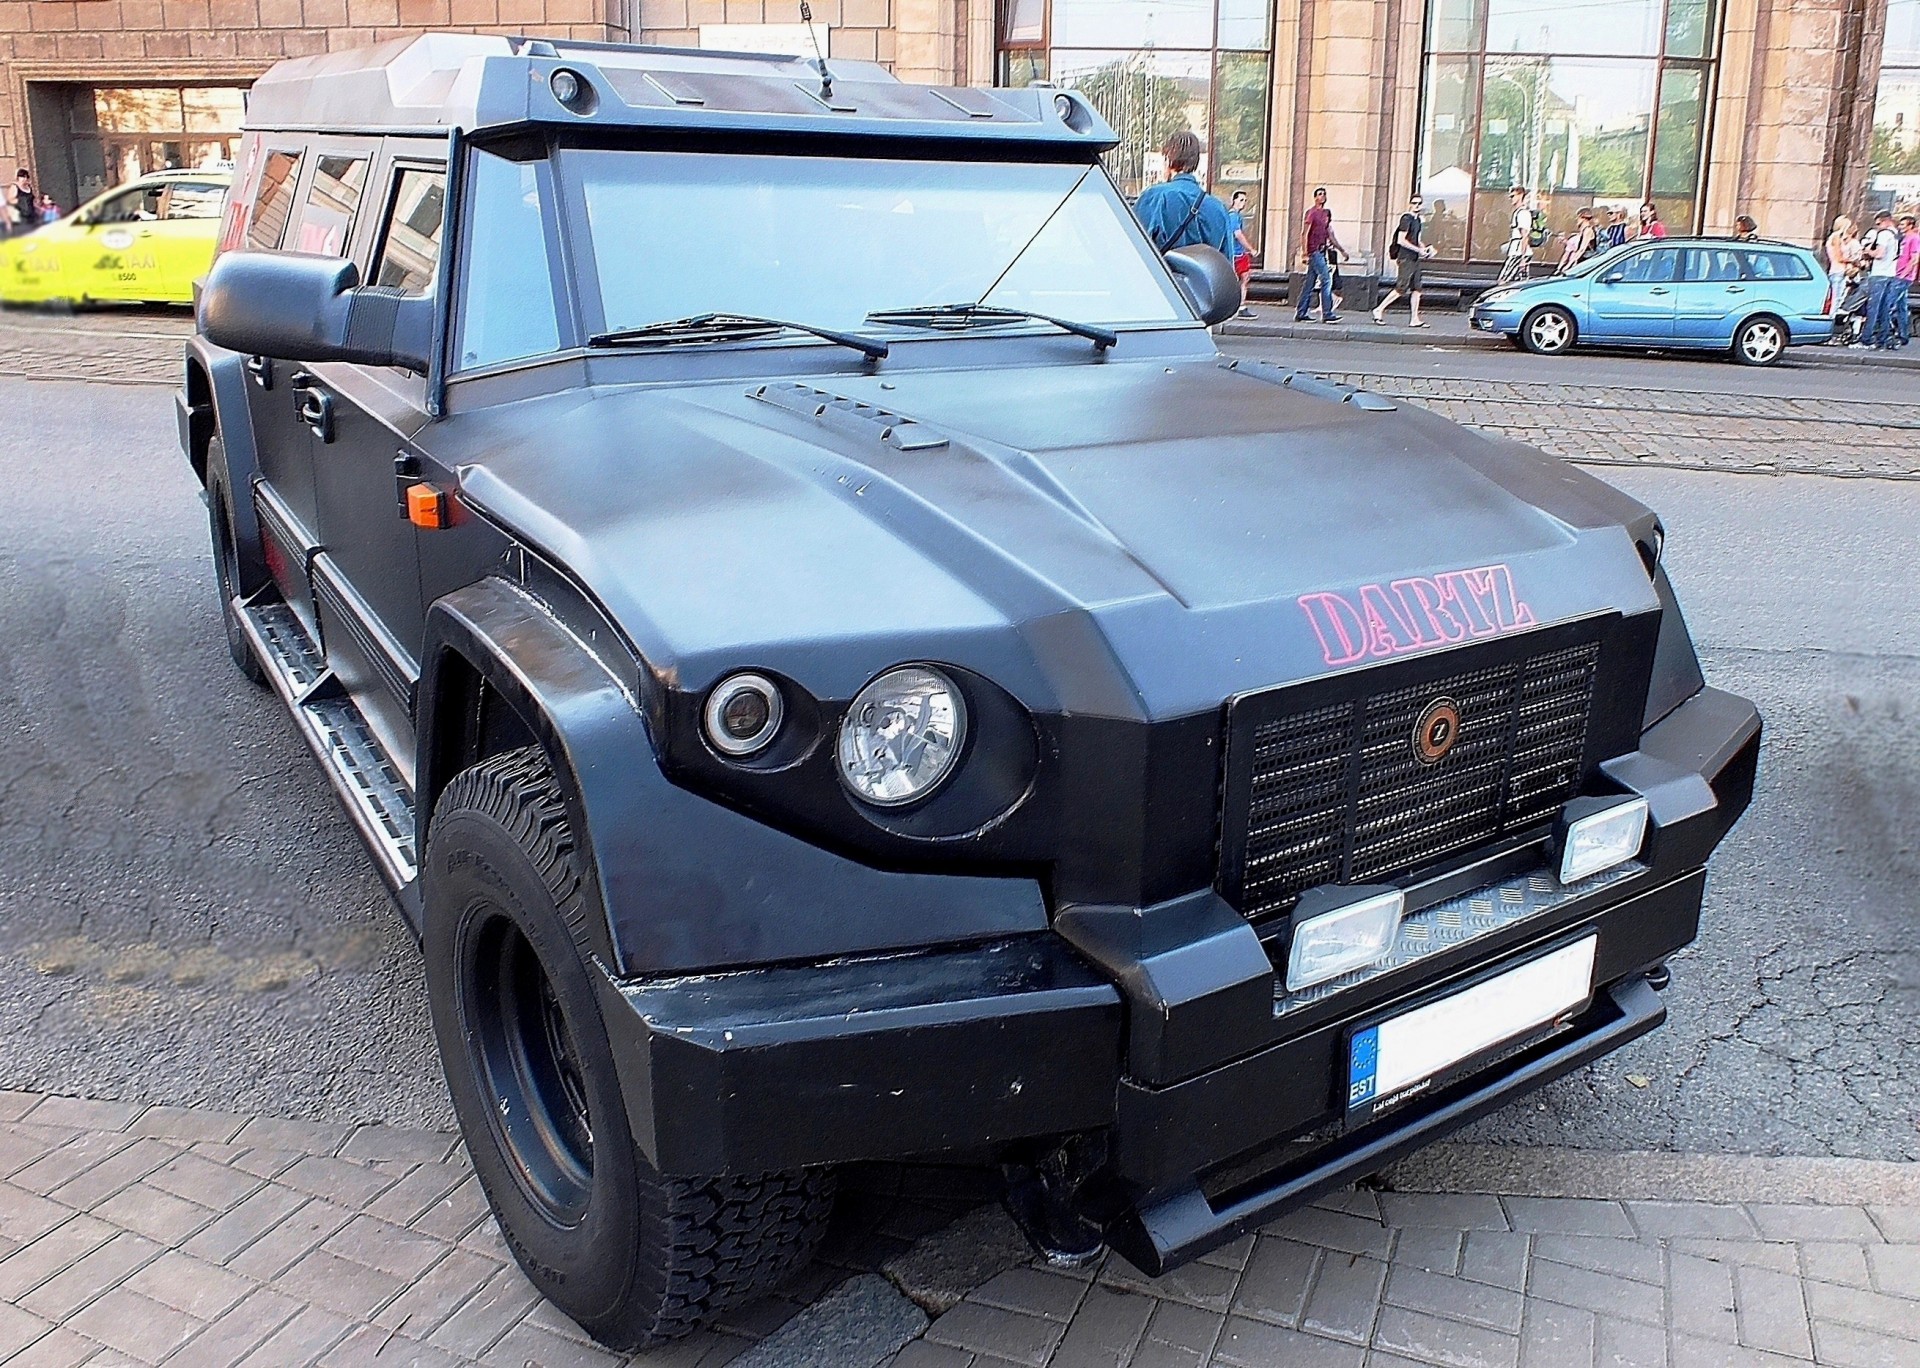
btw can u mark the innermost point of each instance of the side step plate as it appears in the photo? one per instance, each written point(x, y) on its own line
point(377, 799)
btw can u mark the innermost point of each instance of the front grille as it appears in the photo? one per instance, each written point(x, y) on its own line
point(1335, 792)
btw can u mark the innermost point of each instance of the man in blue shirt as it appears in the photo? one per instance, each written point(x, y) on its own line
point(1179, 212)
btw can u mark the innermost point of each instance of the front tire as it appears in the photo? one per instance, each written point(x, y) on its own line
point(226, 562)
point(1760, 341)
point(633, 1256)
point(1547, 331)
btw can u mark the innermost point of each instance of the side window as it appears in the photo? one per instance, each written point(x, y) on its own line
point(331, 201)
point(1778, 266)
point(193, 200)
point(506, 311)
point(409, 255)
point(129, 206)
point(1653, 268)
point(1713, 264)
point(273, 202)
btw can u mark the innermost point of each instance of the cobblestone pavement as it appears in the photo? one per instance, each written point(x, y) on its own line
point(120, 345)
point(172, 1235)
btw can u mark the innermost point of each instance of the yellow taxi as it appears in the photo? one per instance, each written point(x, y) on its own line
point(144, 242)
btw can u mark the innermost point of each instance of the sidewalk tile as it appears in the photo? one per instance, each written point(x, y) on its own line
point(1334, 1230)
point(1476, 1303)
point(1034, 1291)
point(287, 1241)
point(1895, 1270)
point(61, 1348)
point(1839, 1263)
point(1275, 1285)
point(1438, 1340)
point(20, 1146)
point(385, 1247)
point(1568, 1216)
point(1496, 1257)
point(203, 1290)
point(84, 1113)
point(15, 1104)
point(1446, 1210)
point(1689, 1351)
point(230, 1338)
point(1867, 1310)
point(926, 1354)
point(990, 1330)
point(18, 1329)
point(1255, 1344)
point(189, 1124)
point(1709, 1220)
point(158, 1215)
point(337, 1180)
point(340, 1285)
point(119, 1170)
point(26, 1268)
point(304, 1137)
point(1107, 1328)
point(1557, 1337)
point(1429, 1248)
point(1783, 1221)
point(135, 1325)
point(1196, 1283)
point(1233, 1255)
point(1628, 1344)
point(392, 1142)
point(1772, 1312)
point(237, 1229)
point(260, 1160)
point(526, 1344)
point(1345, 1297)
point(437, 1294)
point(1900, 1224)
point(452, 1216)
point(199, 1179)
point(1603, 1254)
point(66, 1292)
point(68, 1161)
point(505, 1298)
point(1846, 1347)
point(308, 1335)
point(416, 1193)
point(1700, 1297)
point(1781, 1258)
point(1187, 1327)
point(1599, 1292)
point(1154, 1354)
point(1361, 1202)
point(369, 1346)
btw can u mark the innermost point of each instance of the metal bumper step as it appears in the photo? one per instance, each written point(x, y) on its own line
point(377, 798)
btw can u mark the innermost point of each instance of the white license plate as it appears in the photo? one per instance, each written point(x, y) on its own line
point(1405, 1051)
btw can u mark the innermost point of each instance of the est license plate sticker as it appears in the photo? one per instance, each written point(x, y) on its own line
point(1405, 1051)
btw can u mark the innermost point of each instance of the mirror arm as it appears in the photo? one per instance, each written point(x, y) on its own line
point(384, 327)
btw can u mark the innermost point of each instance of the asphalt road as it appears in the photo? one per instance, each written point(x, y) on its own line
point(185, 916)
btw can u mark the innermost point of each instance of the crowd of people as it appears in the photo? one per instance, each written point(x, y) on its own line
point(1874, 274)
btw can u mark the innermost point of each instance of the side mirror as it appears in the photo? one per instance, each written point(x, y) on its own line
point(1613, 277)
point(301, 307)
point(1206, 278)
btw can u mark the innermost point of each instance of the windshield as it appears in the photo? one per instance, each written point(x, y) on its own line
point(826, 240)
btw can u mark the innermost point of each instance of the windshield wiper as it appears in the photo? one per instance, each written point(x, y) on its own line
point(715, 327)
point(958, 316)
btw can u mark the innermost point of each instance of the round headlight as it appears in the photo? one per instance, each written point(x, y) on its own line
point(743, 714)
point(902, 736)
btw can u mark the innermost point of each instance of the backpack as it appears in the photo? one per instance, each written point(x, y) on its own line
point(1537, 234)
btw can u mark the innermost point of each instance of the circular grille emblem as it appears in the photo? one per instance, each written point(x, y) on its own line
point(1437, 730)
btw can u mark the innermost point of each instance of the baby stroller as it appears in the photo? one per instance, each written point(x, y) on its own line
point(1850, 313)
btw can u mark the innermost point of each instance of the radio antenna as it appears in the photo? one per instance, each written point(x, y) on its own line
point(819, 57)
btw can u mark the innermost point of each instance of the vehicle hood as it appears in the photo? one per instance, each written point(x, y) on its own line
point(1121, 538)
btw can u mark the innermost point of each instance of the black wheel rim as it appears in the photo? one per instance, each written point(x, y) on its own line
point(528, 1067)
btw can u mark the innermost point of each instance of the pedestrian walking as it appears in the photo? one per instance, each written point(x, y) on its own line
point(1178, 212)
point(1650, 224)
point(1242, 249)
point(1881, 252)
point(1410, 256)
point(1319, 247)
point(1907, 272)
point(1615, 233)
point(22, 210)
point(1745, 229)
point(1521, 234)
point(1582, 242)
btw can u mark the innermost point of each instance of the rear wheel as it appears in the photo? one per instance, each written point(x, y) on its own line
point(1760, 341)
point(226, 562)
point(1547, 331)
point(634, 1256)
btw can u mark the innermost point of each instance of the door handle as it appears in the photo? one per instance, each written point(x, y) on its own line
point(1736, 289)
point(1658, 289)
point(260, 370)
point(316, 411)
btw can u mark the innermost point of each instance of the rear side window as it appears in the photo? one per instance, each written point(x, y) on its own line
point(327, 219)
point(1777, 266)
point(410, 240)
point(193, 200)
point(273, 202)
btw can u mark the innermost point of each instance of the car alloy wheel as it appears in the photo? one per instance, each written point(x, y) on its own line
point(1760, 342)
point(1549, 331)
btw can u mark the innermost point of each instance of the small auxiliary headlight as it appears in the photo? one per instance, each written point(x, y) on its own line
point(1595, 834)
point(743, 714)
point(571, 90)
point(902, 736)
point(1337, 929)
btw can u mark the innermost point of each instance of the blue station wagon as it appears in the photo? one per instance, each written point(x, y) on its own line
point(1752, 299)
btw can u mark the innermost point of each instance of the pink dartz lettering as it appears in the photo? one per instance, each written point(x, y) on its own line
point(1378, 621)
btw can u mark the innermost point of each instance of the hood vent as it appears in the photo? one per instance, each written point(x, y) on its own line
point(1307, 383)
point(850, 416)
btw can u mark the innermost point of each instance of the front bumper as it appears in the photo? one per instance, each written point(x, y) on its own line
point(1159, 1029)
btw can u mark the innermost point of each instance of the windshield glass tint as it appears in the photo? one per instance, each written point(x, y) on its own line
point(826, 240)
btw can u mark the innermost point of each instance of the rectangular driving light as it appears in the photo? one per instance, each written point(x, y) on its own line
point(1595, 834)
point(1337, 929)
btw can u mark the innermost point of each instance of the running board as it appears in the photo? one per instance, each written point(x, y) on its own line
point(368, 783)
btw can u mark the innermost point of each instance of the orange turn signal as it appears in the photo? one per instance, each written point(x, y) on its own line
point(426, 506)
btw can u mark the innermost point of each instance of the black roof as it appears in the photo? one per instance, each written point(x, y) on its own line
point(440, 81)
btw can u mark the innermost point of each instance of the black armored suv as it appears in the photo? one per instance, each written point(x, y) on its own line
point(835, 665)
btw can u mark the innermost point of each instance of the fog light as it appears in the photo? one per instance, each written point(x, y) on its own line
point(1337, 929)
point(743, 713)
point(1595, 834)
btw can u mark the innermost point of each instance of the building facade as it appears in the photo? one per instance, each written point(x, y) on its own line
point(1789, 110)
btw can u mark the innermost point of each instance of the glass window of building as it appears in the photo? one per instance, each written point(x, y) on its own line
point(1152, 68)
point(1894, 179)
point(1600, 104)
point(120, 132)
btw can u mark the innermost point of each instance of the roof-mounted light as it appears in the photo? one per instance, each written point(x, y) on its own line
point(572, 90)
